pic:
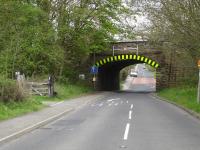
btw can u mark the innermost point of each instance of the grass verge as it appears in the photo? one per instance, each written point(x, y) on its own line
point(184, 96)
point(34, 103)
point(14, 109)
point(65, 92)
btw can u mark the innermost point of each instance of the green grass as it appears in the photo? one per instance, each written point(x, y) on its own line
point(184, 96)
point(65, 92)
point(13, 109)
point(34, 103)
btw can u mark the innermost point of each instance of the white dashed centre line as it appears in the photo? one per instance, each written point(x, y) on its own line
point(126, 131)
point(130, 114)
point(116, 104)
point(131, 106)
point(127, 102)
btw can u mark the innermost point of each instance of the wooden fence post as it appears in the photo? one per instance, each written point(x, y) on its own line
point(50, 86)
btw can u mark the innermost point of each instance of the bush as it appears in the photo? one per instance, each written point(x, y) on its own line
point(10, 90)
point(123, 75)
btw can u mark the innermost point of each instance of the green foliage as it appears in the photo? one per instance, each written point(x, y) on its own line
point(184, 96)
point(123, 75)
point(34, 103)
point(13, 109)
point(27, 40)
point(66, 91)
point(86, 26)
point(10, 91)
point(176, 22)
point(40, 37)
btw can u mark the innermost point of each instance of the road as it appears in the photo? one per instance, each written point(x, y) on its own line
point(145, 82)
point(120, 120)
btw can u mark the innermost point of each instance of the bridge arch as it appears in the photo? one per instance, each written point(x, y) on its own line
point(109, 69)
point(127, 57)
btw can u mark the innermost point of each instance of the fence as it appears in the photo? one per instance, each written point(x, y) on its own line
point(37, 88)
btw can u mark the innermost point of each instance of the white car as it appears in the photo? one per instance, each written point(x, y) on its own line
point(133, 74)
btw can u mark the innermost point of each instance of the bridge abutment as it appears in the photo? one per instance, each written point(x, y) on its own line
point(108, 79)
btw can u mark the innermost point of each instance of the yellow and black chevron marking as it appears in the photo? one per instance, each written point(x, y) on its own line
point(127, 57)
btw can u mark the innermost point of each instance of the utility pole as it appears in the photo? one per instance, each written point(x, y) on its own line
point(94, 75)
point(198, 92)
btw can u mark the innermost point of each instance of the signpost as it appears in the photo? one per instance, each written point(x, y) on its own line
point(198, 92)
point(94, 71)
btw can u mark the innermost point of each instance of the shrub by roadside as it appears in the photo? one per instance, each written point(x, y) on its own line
point(10, 91)
point(184, 96)
point(66, 91)
point(10, 108)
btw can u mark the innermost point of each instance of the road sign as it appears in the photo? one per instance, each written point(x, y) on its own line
point(94, 70)
point(199, 63)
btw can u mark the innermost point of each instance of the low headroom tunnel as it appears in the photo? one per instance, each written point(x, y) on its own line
point(109, 69)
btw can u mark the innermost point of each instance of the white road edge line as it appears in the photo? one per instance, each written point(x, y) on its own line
point(126, 131)
point(56, 103)
point(131, 106)
point(130, 113)
point(32, 127)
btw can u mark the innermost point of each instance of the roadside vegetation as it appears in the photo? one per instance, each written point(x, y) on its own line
point(173, 28)
point(185, 96)
point(12, 109)
point(45, 37)
point(55, 37)
point(65, 92)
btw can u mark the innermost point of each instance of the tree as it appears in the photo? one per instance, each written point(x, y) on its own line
point(27, 40)
point(42, 36)
point(86, 26)
point(176, 21)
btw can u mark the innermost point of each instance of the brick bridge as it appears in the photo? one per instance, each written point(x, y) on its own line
point(110, 63)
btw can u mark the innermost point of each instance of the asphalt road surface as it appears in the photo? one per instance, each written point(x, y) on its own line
point(144, 82)
point(121, 120)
